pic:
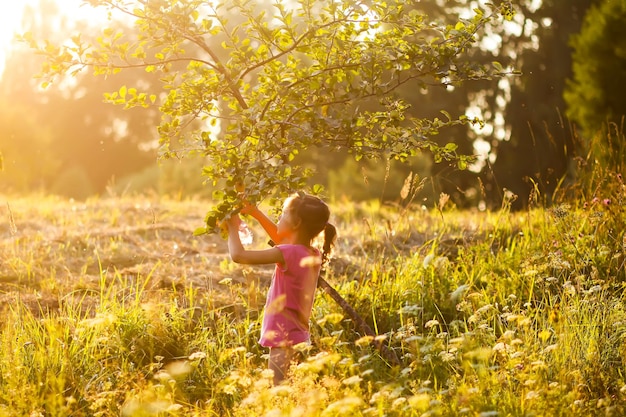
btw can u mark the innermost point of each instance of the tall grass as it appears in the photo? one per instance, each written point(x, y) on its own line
point(113, 308)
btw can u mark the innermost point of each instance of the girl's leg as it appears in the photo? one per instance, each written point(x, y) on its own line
point(280, 359)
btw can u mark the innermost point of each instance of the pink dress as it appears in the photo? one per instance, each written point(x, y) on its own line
point(290, 297)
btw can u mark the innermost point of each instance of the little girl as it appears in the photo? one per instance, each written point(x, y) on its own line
point(292, 291)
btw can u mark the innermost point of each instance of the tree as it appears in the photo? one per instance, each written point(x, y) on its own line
point(462, 185)
point(538, 146)
point(283, 81)
point(89, 141)
point(492, 46)
point(595, 94)
point(25, 148)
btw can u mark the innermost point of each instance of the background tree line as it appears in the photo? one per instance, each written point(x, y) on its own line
point(66, 140)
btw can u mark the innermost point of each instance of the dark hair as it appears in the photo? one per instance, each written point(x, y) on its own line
point(314, 214)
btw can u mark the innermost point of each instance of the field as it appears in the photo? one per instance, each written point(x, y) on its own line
point(112, 307)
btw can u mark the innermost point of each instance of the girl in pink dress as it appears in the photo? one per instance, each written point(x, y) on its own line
point(292, 291)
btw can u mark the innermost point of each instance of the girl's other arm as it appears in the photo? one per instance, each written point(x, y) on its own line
point(240, 255)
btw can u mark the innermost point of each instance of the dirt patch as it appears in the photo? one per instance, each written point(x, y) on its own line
point(63, 254)
point(57, 254)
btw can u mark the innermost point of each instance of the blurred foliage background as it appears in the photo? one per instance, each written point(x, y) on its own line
point(65, 140)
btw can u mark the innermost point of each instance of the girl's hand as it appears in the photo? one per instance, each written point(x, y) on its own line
point(247, 208)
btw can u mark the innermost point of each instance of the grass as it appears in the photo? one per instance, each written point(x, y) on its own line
point(112, 307)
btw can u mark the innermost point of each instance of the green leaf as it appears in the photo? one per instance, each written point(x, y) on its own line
point(200, 231)
point(262, 50)
point(207, 24)
point(317, 189)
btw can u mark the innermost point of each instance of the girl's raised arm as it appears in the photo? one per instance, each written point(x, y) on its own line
point(240, 255)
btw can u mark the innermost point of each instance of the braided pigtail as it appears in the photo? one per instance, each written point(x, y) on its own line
point(314, 214)
point(330, 235)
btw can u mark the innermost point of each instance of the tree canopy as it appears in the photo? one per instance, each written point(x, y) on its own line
point(252, 93)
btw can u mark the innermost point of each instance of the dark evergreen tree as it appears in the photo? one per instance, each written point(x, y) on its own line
point(596, 92)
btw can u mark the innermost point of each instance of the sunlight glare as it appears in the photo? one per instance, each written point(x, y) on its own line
point(10, 19)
